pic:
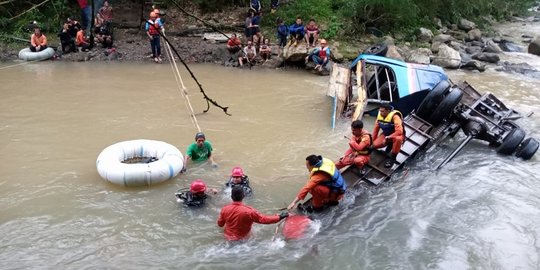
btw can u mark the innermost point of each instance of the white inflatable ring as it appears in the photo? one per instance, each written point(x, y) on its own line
point(28, 55)
point(110, 164)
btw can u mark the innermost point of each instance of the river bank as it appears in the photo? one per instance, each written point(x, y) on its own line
point(453, 46)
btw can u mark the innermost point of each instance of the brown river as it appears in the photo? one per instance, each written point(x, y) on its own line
point(481, 211)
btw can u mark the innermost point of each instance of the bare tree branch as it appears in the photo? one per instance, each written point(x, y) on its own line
point(30, 9)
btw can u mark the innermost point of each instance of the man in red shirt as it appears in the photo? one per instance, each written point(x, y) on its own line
point(234, 44)
point(238, 218)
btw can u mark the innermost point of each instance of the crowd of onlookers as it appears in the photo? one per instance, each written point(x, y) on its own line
point(73, 35)
point(257, 46)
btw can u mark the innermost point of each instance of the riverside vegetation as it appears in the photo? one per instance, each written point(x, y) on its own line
point(340, 20)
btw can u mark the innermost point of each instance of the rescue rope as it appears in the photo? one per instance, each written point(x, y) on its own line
point(206, 97)
point(20, 64)
point(277, 230)
point(181, 86)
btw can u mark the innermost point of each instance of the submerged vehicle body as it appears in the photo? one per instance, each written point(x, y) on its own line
point(433, 108)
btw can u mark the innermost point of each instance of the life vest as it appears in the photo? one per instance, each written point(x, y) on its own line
point(190, 200)
point(336, 183)
point(244, 183)
point(386, 124)
point(153, 27)
point(322, 52)
point(370, 146)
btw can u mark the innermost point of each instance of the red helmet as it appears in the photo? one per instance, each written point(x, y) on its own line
point(197, 186)
point(237, 171)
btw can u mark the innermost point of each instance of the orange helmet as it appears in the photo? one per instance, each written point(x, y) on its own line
point(237, 171)
point(197, 186)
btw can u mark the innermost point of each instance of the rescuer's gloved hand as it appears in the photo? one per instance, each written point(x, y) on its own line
point(283, 215)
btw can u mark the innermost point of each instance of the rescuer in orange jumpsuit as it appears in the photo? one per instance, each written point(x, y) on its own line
point(389, 121)
point(359, 145)
point(325, 184)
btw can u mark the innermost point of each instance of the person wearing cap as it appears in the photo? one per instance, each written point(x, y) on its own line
point(196, 195)
point(238, 218)
point(200, 150)
point(320, 55)
point(390, 123)
point(238, 178)
point(153, 27)
point(325, 184)
point(359, 147)
point(38, 41)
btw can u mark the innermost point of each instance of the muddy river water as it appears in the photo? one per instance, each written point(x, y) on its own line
point(478, 212)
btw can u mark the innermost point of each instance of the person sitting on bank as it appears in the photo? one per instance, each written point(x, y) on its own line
point(66, 40)
point(249, 54)
point(265, 51)
point(312, 33)
point(73, 27)
point(325, 184)
point(359, 147)
point(234, 44)
point(81, 41)
point(38, 41)
point(320, 55)
point(104, 35)
point(390, 123)
point(238, 178)
point(238, 218)
point(200, 150)
point(297, 31)
point(196, 195)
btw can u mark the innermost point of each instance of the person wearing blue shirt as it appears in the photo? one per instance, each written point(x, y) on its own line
point(255, 5)
point(297, 31)
point(282, 33)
